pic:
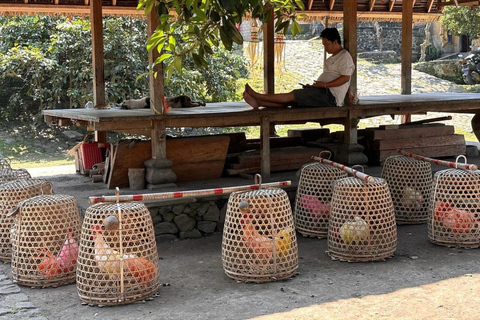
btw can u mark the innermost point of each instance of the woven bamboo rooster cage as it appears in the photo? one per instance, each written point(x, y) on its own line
point(362, 221)
point(312, 201)
point(13, 174)
point(118, 259)
point(410, 182)
point(455, 209)
point(4, 164)
point(11, 193)
point(44, 241)
point(259, 242)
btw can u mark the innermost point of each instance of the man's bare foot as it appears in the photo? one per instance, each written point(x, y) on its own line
point(250, 100)
point(249, 90)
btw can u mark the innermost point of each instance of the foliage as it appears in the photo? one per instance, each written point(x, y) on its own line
point(46, 64)
point(462, 20)
point(192, 28)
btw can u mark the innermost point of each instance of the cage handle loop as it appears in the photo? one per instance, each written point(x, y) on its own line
point(258, 180)
point(359, 166)
point(460, 157)
point(328, 153)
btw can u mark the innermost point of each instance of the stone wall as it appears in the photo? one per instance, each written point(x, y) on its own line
point(443, 69)
point(191, 218)
point(387, 36)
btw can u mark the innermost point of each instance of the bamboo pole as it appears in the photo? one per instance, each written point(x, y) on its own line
point(464, 166)
point(183, 194)
point(357, 174)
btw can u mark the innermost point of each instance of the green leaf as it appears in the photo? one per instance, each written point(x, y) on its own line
point(163, 57)
point(300, 4)
point(177, 64)
point(227, 41)
point(296, 28)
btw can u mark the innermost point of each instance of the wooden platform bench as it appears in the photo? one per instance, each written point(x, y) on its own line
point(232, 114)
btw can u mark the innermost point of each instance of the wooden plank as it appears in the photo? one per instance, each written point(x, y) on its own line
point(453, 139)
point(430, 131)
point(183, 152)
point(371, 5)
point(278, 155)
point(436, 151)
point(307, 135)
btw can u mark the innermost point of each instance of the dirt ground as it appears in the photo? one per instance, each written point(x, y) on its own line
point(422, 281)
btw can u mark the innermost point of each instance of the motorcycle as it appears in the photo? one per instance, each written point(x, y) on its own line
point(471, 67)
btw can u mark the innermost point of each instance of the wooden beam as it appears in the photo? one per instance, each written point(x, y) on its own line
point(428, 6)
point(350, 43)
point(97, 53)
point(83, 10)
point(310, 4)
point(265, 147)
point(331, 4)
point(373, 15)
point(406, 59)
point(407, 34)
point(371, 5)
point(391, 5)
point(269, 56)
point(155, 78)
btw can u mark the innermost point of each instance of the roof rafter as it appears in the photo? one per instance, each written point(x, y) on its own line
point(310, 4)
point(332, 3)
point(390, 5)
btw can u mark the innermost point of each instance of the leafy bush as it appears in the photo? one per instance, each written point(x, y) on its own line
point(47, 65)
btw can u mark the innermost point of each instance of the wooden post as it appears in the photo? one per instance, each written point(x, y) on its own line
point(97, 61)
point(269, 62)
point(407, 33)
point(265, 147)
point(350, 152)
point(156, 82)
point(158, 169)
point(350, 43)
point(269, 56)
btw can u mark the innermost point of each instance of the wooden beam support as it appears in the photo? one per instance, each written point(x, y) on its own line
point(406, 59)
point(97, 61)
point(269, 56)
point(407, 34)
point(97, 53)
point(350, 43)
point(371, 5)
point(155, 78)
point(391, 4)
point(350, 37)
point(331, 4)
point(265, 147)
point(310, 4)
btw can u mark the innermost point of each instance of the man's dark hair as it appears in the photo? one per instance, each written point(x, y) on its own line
point(331, 34)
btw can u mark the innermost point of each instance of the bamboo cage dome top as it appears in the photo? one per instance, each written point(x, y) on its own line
point(367, 10)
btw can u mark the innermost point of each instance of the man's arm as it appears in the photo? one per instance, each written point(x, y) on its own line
point(334, 83)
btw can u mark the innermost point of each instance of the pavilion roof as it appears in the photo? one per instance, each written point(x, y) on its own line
point(379, 10)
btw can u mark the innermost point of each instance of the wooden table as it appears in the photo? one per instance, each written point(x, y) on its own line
point(231, 114)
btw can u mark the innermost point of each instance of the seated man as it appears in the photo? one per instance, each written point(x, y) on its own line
point(328, 91)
